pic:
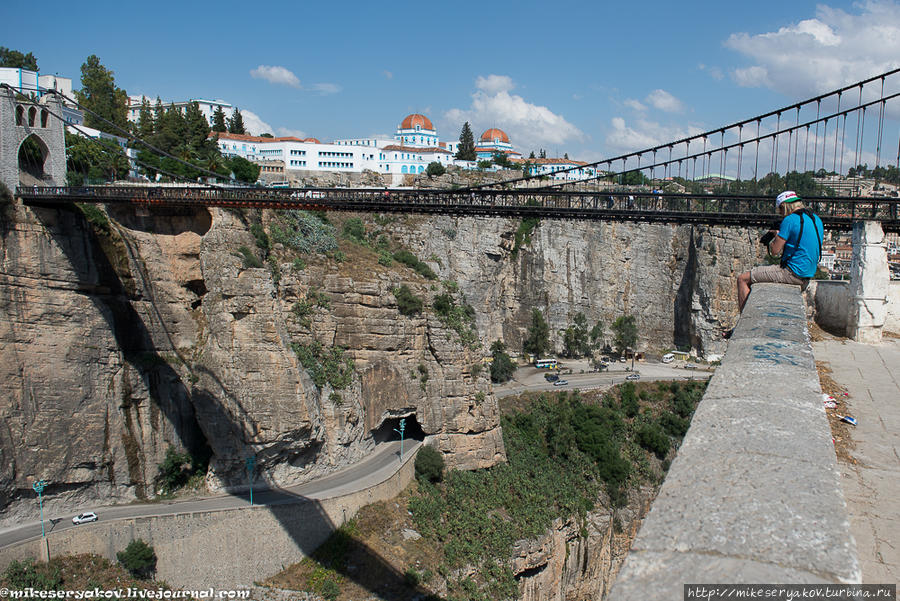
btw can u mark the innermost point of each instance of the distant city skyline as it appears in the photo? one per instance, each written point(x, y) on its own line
point(574, 78)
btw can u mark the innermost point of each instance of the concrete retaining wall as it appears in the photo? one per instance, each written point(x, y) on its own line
point(753, 495)
point(831, 300)
point(225, 549)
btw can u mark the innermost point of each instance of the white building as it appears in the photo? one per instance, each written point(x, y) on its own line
point(32, 83)
point(553, 168)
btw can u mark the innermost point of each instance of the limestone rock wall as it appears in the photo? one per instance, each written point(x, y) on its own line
point(115, 347)
point(678, 281)
point(577, 560)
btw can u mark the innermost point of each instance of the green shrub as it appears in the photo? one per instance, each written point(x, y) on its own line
point(355, 229)
point(275, 268)
point(673, 424)
point(476, 369)
point(304, 232)
point(651, 437)
point(410, 260)
point(138, 558)
point(250, 260)
point(523, 233)
point(95, 217)
point(298, 264)
point(325, 366)
point(629, 400)
point(384, 258)
point(435, 169)
point(443, 304)
point(262, 239)
point(25, 574)
point(429, 465)
point(407, 302)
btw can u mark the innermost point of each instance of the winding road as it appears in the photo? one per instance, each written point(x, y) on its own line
point(375, 468)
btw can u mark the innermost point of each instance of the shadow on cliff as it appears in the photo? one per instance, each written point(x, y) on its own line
point(303, 519)
point(684, 336)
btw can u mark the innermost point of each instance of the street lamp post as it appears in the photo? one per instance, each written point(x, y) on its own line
point(400, 432)
point(39, 489)
point(250, 462)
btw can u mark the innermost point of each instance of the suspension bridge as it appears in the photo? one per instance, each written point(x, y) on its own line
point(695, 180)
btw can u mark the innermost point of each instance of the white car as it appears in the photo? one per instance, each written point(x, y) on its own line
point(561, 383)
point(634, 376)
point(83, 518)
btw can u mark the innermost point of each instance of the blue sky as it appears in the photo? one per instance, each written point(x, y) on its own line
point(585, 78)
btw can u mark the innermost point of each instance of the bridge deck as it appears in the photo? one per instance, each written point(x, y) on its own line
point(837, 213)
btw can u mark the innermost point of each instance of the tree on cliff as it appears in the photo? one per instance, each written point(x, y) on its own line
point(537, 339)
point(102, 100)
point(15, 59)
point(625, 333)
point(139, 558)
point(466, 149)
point(502, 367)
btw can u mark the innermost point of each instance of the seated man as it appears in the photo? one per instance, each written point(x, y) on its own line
point(799, 247)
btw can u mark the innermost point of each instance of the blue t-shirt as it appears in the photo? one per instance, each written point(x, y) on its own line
point(802, 258)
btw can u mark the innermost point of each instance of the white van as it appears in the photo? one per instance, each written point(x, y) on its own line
point(668, 358)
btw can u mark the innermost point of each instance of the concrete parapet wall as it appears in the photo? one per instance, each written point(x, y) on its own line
point(753, 495)
point(225, 549)
point(892, 321)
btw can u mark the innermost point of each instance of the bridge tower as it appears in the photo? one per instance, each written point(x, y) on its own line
point(42, 160)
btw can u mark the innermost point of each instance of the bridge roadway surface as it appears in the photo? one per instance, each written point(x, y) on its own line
point(871, 374)
point(376, 468)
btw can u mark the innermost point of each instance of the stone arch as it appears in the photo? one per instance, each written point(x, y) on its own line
point(31, 155)
point(403, 169)
point(32, 158)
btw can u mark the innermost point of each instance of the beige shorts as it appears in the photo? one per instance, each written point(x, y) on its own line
point(775, 274)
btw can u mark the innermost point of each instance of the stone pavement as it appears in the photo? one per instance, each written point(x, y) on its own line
point(871, 375)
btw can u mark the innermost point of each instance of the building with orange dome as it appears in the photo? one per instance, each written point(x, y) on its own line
point(493, 141)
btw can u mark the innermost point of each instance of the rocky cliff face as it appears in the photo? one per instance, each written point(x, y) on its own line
point(678, 281)
point(578, 560)
point(115, 346)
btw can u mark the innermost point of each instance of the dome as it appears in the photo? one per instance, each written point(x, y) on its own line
point(494, 133)
point(415, 119)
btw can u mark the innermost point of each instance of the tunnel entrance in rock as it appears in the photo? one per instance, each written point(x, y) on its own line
point(386, 432)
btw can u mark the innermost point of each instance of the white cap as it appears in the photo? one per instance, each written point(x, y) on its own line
point(786, 196)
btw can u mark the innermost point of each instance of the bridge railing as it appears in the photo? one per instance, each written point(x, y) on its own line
point(623, 205)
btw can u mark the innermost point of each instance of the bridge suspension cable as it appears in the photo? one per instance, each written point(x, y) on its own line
point(706, 155)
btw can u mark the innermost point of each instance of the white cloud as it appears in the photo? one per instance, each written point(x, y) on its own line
point(254, 125)
point(326, 88)
point(664, 101)
point(388, 75)
point(635, 104)
point(829, 51)
point(714, 72)
point(643, 134)
point(286, 132)
point(528, 125)
point(494, 84)
point(276, 75)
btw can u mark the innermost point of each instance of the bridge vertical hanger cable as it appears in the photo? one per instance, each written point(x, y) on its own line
point(880, 126)
point(796, 140)
point(824, 143)
point(756, 165)
point(775, 145)
point(816, 140)
point(858, 118)
point(837, 127)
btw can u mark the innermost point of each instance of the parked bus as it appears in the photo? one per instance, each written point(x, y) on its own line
point(546, 364)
